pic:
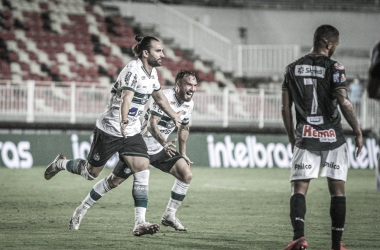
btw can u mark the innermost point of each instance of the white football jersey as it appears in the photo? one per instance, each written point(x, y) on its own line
point(166, 124)
point(133, 77)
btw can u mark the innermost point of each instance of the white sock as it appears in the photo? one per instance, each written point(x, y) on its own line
point(140, 194)
point(62, 164)
point(179, 191)
point(99, 189)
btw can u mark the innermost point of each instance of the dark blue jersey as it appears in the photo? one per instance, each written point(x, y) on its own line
point(311, 82)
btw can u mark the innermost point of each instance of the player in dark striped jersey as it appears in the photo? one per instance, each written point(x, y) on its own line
point(317, 85)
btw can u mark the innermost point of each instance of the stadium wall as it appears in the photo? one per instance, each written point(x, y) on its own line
point(358, 30)
point(31, 148)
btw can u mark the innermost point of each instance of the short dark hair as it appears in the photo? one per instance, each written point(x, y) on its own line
point(184, 73)
point(325, 34)
point(143, 43)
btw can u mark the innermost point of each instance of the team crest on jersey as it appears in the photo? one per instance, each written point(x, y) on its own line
point(323, 135)
point(343, 78)
point(96, 157)
point(336, 76)
point(170, 124)
point(339, 66)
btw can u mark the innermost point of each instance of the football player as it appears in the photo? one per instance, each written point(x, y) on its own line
point(118, 130)
point(317, 85)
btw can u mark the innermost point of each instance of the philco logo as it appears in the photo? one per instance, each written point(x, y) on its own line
point(309, 70)
point(301, 166)
point(323, 135)
point(331, 165)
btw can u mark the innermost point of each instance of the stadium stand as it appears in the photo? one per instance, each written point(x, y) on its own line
point(66, 41)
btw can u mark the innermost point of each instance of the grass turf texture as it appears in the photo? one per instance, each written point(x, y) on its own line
point(224, 209)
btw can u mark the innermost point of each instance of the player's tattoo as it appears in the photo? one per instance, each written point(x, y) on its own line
point(346, 107)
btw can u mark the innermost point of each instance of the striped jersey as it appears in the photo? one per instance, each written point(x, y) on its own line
point(133, 77)
point(166, 125)
point(311, 82)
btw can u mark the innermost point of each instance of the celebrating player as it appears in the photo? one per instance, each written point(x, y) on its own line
point(156, 129)
point(118, 130)
point(316, 84)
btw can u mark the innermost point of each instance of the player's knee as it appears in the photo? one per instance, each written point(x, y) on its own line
point(188, 177)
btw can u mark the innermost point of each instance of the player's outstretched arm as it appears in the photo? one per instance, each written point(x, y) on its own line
point(152, 127)
point(126, 99)
point(348, 112)
point(287, 117)
point(162, 101)
point(183, 134)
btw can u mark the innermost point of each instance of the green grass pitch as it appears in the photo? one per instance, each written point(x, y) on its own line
point(223, 209)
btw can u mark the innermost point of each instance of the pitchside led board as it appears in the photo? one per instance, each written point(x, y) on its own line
point(26, 149)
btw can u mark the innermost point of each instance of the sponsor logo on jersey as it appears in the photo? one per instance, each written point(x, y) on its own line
point(133, 112)
point(331, 165)
point(134, 82)
point(343, 78)
point(309, 70)
point(186, 106)
point(322, 135)
point(339, 66)
point(172, 102)
point(336, 76)
point(152, 77)
point(301, 166)
point(127, 77)
point(315, 120)
point(143, 77)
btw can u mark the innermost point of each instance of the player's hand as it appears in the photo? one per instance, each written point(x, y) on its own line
point(359, 144)
point(123, 125)
point(169, 147)
point(187, 160)
point(177, 119)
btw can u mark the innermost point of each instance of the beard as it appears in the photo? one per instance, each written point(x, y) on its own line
point(154, 62)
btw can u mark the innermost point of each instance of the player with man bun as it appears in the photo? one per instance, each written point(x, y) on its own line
point(118, 130)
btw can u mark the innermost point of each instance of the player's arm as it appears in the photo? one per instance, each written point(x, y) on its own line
point(287, 117)
point(126, 99)
point(183, 134)
point(162, 101)
point(348, 112)
point(152, 127)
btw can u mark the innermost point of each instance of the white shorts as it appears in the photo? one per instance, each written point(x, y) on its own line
point(306, 164)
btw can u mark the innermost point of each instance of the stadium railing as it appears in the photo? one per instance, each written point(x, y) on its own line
point(71, 103)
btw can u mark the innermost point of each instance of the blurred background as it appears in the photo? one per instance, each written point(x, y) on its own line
point(59, 58)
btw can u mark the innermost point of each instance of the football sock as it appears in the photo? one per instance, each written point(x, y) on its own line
point(62, 164)
point(338, 216)
point(78, 166)
point(297, 214)
point(178, 194)
point(99, 189)
point(140, 194)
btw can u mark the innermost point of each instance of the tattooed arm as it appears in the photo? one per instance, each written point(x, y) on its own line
point(349, 113)
point(169, 146)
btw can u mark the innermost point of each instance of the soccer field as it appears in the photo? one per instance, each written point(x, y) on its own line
point(224, 209)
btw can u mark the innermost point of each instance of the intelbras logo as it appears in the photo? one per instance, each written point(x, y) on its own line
point(309, 70)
